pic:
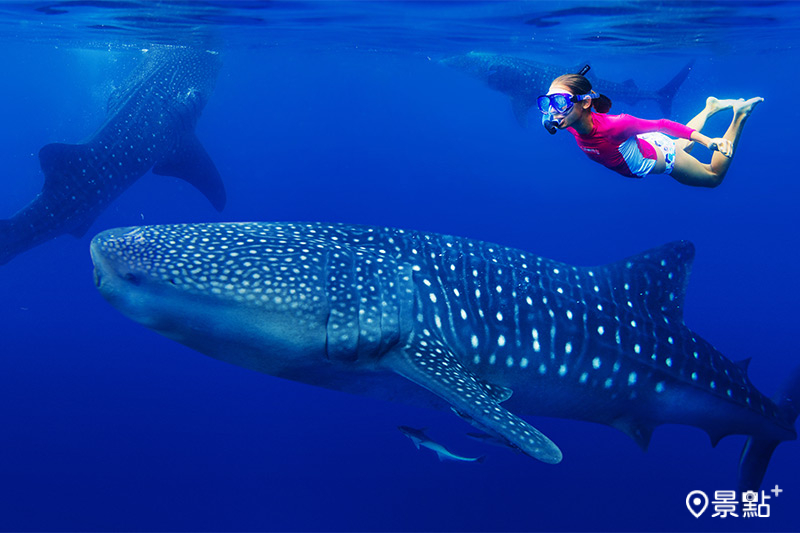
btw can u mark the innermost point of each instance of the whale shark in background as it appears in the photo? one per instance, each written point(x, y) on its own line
point(488, 331)
point(150, 125)
point(524, 81)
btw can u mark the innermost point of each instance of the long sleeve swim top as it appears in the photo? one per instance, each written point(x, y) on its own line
point(610, 131)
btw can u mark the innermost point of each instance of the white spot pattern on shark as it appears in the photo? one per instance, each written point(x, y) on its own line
point(351, 308)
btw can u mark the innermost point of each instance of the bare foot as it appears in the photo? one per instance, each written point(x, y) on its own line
point(744, 108)
point(715, 104)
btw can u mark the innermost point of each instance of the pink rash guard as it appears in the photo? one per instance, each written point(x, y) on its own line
point(609, 132)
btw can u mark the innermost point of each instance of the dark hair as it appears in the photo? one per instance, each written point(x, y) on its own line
point(578, 84)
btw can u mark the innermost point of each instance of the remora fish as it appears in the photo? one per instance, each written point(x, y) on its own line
point(446, 321)
point(150, 125)
point(419, 438)
point(524, 81)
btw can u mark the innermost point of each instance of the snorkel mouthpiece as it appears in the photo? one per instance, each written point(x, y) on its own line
point(550, 124)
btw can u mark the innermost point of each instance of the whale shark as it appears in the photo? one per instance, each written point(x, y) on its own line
point(489, 332)
point(419, 438)
point(150, 125)
point(524, 81)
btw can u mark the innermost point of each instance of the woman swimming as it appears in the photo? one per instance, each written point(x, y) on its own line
point(635, 147)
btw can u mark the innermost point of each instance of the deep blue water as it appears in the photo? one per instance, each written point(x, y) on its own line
point(340, 112)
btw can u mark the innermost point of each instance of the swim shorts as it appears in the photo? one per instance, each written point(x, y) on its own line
point(666, 144)
point(641, 166)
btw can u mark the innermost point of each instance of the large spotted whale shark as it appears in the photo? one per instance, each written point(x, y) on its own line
point(491, 332)
point(150, 125)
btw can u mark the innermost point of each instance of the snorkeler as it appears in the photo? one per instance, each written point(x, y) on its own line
point(635, 147)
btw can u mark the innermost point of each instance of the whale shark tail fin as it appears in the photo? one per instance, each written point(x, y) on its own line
point(667, 93)
point(190, 162)
point(758, 451)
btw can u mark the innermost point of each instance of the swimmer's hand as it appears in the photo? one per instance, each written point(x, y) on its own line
point(723, 146)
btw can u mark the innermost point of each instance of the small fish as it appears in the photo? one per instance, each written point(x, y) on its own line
point(419, 438)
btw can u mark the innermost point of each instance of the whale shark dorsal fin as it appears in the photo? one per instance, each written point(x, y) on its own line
point(743, 364)
point(421, 362)
point(655, 279)
point(190, 162)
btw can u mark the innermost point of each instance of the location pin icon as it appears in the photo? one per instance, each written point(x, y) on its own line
point(697, 502)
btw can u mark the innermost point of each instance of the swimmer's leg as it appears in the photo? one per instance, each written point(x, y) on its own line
point(741, 112)
point(713, 105)
point(690, 171)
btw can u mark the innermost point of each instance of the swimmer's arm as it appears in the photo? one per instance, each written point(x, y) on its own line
point(628, 125)
point(633, 126)
point(724, 146)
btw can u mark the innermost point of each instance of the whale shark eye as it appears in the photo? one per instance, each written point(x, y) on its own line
point(131, 278)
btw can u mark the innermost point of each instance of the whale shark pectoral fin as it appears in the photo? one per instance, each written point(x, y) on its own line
point(434, 367)
point(190, 162)
point(497, 392)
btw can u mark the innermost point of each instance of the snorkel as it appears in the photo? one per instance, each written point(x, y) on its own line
point(549, 122)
